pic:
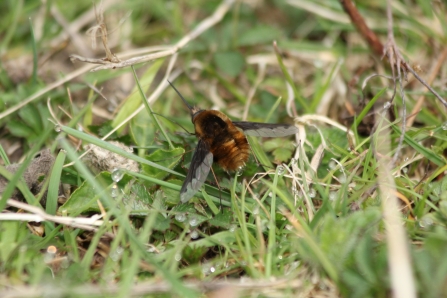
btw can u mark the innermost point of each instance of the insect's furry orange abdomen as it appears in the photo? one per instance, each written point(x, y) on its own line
point(227, 143)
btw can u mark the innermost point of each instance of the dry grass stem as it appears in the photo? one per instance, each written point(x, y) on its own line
point(215, 18)
point(82, 21)
point(39, 215)
point(401, 272)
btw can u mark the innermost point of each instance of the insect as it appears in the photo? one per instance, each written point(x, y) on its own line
point(222, 141)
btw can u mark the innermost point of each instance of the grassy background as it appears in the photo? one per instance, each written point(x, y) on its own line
point(311, 225)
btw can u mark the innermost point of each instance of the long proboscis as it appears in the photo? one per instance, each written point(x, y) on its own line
point(191, 109)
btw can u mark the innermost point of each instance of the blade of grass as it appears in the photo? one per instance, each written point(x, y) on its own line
point(274, 107)
point(259, 153)
point(210, 203)
point(320, 90)
point(20, 184)
point(71, 245)
point(53, 188)
point(33, 39)
point(178, 187)
point(110, 262)
point(305, 232)
point(78, 115)
point(367, 109)
point(89, 254)
point(103, 144)
point(289, 79)
point(303, 164)
point(49, 238)
point(149, 109)
point(124, 223)
point(244, 246)
point(4, 156)
point(127, 280)
point(14, 17)
point(246, 233)
point(272, 228)
point(227, 84)
point(14, 180)
point(134, 100)
point(433, 157)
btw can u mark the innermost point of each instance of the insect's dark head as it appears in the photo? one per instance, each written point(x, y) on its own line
point(193, 110)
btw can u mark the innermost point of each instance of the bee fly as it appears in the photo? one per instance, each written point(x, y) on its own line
point(222, 141)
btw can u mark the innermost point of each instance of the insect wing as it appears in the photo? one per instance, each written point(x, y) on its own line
point(198, 171)
point(270, 130)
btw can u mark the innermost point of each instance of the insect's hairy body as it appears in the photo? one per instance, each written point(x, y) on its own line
point(222, 141)
point(227, 143)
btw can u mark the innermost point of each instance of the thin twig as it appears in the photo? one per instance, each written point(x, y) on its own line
point(356, 18)
point(410, 69)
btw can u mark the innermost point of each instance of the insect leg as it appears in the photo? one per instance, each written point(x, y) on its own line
point(218, 186)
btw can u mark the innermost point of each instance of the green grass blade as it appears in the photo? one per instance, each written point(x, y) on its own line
point(53, 187)
point(4, 156)
point(14, 17)
point(432, 156)
point(149, 109)
point(16, 177)
point(367, 109)
point(177, 286)
point(289, 80)
point(23, 188)
point(259, 153)
point(307, 234)
point(134, 100)
point(103, 144)
point(210, 202)
point(321, 90)
point(272, 229)
point(272, 110)
point(34, 52)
